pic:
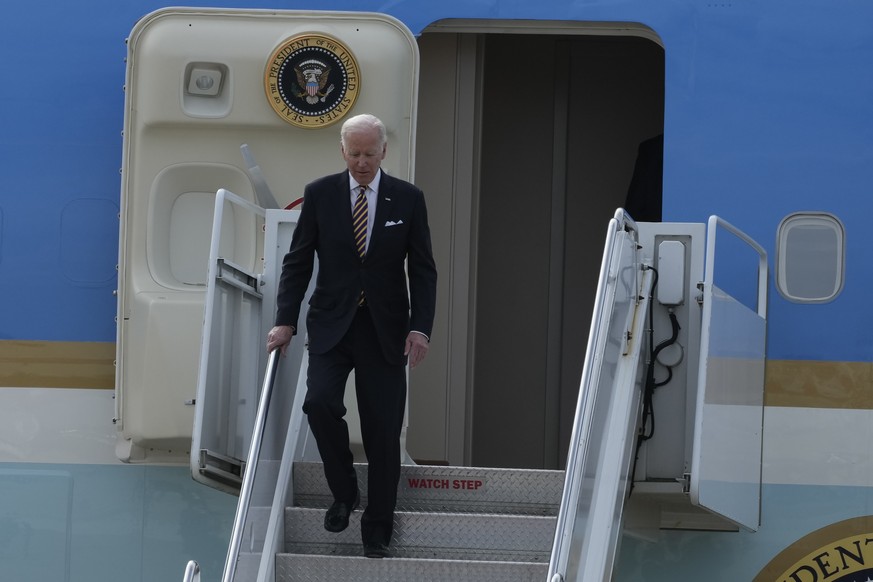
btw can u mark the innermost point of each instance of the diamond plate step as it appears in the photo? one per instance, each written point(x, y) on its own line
point(453, 489)
point(451, 523)
point(291, 568)
point(453, 536)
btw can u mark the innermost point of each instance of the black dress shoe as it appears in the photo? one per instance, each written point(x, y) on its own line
point(375, 550)
point(337, 517)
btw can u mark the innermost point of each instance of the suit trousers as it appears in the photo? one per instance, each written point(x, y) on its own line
point(381, 394)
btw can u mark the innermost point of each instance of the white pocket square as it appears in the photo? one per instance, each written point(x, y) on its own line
point(392, 223)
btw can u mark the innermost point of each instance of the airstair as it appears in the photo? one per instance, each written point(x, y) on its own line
point(452, 523)
point(468, 523)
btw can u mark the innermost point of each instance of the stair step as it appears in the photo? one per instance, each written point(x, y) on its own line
point(435, 488)
point(451, 523)
point(297, 568)
point(452, 536)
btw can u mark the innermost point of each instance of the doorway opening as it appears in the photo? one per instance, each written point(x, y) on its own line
point(527, 141)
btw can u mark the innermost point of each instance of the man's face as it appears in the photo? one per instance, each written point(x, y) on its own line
point(363, 155)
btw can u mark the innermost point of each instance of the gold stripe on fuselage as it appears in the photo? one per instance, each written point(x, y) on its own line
point(813, 384)
point(791, 383)
point(43, 364)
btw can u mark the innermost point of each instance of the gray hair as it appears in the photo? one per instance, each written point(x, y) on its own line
point(363, 122)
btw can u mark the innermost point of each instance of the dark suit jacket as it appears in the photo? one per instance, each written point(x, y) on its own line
point(400, 233)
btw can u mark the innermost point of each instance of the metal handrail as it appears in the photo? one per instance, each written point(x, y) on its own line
point(572, 483)
point(709, 276)
point(192, 572)
point(245, 493)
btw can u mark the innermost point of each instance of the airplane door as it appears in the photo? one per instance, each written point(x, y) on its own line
point(200, 83)
point(728, 431)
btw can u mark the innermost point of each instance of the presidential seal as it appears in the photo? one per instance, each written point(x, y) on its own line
point(312, 80)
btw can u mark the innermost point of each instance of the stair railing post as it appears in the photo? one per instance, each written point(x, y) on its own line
point(245, 493)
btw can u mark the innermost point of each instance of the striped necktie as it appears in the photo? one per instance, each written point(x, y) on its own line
point(360, 216)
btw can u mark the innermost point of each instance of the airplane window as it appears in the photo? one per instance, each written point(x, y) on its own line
point(810, 257)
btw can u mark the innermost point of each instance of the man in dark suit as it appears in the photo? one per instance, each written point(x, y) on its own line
point(371, 235)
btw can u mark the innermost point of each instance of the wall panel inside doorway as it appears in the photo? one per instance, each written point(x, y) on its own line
point(545, 134)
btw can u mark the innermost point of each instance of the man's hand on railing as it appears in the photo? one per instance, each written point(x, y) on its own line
point(280, 337)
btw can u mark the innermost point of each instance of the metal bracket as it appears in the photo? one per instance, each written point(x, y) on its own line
point(685, 480)
point(222, 468)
